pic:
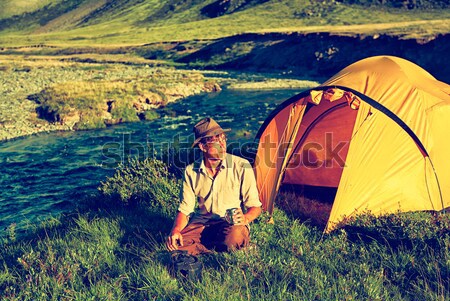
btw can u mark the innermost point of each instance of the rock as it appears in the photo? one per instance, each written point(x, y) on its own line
point(113, 121)
point(71, 118)
point(211, 87)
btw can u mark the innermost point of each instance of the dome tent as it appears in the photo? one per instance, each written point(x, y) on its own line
point(377, 131)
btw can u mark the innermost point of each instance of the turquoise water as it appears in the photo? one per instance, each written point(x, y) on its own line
point(46, 174)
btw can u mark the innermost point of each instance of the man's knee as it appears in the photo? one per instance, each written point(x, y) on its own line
point(238, 237)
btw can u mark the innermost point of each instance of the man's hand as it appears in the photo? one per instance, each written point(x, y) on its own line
point(239, 218)
point(174, 240)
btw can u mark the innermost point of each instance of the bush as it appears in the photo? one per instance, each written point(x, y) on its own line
point(89, 121)
point(144, 182)
point(151, 115)
point(124, 111)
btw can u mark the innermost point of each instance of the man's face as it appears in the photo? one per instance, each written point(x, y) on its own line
point(215, 147)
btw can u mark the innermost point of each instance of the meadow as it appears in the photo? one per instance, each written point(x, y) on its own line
point(112, 248)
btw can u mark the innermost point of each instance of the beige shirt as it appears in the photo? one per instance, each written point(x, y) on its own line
point(234, 184)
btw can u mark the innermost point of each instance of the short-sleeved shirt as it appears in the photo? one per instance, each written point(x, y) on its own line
point(206, 196)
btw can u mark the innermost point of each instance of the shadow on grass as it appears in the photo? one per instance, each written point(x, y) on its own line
point(138, 221)
point(143, 229)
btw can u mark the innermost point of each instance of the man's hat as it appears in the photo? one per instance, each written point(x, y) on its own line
point(207, 127)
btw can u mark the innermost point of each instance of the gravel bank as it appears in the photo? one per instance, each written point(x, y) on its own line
point(18, 115)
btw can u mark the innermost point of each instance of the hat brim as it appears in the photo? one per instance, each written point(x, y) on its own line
point(210, 134)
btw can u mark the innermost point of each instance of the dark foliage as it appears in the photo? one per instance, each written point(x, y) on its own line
point(220, 7)
point(316, 55)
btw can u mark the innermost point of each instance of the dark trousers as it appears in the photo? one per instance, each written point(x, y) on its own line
point(216, 235)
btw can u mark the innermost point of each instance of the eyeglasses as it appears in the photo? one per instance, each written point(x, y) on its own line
point(215, 139)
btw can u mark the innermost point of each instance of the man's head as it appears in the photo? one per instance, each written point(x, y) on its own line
point(210, 137)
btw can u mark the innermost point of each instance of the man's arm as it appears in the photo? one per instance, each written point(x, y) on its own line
point(175, 239)
point(251, 214)
point(250, 195)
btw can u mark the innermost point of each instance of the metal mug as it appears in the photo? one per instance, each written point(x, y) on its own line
point(230, 213)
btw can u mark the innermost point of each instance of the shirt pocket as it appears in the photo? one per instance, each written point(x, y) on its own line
point(231, 193)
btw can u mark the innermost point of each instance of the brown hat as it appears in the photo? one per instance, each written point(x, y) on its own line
point(207, 127)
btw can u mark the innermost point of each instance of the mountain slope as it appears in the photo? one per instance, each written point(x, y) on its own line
point(34, 19)
point(69, 19)
point(79, 23)
point(199, 18)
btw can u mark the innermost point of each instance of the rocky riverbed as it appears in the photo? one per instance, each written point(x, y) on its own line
point(18, 115)
point(20, 78)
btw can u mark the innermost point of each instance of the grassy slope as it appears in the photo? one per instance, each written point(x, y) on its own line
point(127, 25)
point(10, 8)
point(72, 17)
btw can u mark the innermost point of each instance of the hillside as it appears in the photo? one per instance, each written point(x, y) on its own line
point(310, 38)
point(87, 22)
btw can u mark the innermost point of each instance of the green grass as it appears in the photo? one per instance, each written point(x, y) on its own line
point(112, 249)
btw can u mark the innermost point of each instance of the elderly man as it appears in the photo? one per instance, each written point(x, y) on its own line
point(212, 186)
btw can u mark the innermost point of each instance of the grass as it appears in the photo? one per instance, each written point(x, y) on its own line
point(112, 249)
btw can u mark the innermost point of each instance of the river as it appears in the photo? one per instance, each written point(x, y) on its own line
point(45, 175)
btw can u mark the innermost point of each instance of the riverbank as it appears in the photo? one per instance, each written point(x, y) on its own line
point(23, 79)
point(317, 55)
point(34, 90)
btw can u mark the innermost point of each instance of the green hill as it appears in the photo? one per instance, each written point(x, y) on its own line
point(309, 37)
point(87, 22)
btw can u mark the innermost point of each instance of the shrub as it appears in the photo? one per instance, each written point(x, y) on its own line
point(124, 110)
point(144, 182)
point(88, 121)
point(151, 115)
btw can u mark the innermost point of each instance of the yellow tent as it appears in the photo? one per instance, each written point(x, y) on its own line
point(378, 131)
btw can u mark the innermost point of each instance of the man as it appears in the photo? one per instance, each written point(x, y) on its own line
point(211, 186)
